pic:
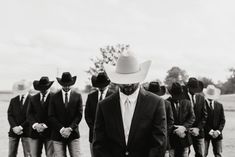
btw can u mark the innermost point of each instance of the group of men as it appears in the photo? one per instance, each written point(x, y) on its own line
point(45, 119)
point(127, 122)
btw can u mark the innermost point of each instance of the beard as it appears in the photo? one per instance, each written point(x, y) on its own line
point(129, 89)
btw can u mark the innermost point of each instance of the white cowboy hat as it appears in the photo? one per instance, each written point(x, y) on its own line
point(21, 87)
point(211, 92)
point(127, 70)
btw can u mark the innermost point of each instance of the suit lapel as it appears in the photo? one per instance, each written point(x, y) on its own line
point(118, 115)
point(138, 112)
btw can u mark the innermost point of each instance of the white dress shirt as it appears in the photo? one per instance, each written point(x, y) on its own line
point(133, 99)
point(63, 95)
point(45, 98)
point(192, 99)
point(103, 95)
point(25, 97)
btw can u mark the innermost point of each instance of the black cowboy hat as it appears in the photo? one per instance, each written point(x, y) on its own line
point(66, 79)
point(155, 88)
point(42, 84)
point(100, 81)
point(200, 86)
point(193, 83)
point(176, 90)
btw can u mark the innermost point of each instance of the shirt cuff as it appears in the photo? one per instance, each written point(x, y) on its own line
point(70, 129)
point(34, 125)
point(20, 127)
point(44, 125)
point(61, 130)
point(218, 132)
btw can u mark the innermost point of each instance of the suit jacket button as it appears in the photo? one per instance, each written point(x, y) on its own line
point(127, 153)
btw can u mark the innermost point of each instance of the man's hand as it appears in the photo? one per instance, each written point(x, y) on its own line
point(39, 128)
point(65, 132)
point(180, 131)
point(216, 133)
point(18, 130)
point(194, 131)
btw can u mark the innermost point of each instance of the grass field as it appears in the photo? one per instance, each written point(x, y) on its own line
point(228, 143)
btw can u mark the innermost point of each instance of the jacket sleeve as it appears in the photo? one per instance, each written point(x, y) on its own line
point(26, 122)
point(30, 113)
point(100, 147)
point(159, 132)
point(78, 116)
point(222, 119)
point(170, 117)
point(204, 114)
point(10, 115)
point(88, 116)
point(52, 116)
point(190, 116)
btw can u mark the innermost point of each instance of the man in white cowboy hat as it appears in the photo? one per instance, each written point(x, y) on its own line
point(65, 114)
point(199, 106)
point(131, 122)
point(19, 126)
point(37, 115)
point(101, 83)
point(215, 121)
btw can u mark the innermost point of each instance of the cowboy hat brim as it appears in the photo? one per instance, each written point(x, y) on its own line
point(72, 82)
point(119, 78)
point(39, 87)
point(216, 95)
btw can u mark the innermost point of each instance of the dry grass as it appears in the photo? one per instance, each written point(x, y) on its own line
point(228, 143)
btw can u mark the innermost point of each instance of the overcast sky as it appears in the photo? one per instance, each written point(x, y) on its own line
point(37, 37)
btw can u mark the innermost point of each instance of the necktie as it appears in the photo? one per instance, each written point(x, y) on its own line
point(101, 95)
point(43, 98)
point(127, 117)
point(22, 101)
point(66, 99)
point(210, 103)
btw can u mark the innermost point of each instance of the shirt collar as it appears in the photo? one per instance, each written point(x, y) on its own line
point(63, 92)
point(132, 97)
point(45, 94)
point(25, 95)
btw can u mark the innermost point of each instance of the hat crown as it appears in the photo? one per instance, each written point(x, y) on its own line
point(127, 64)
point(102, 77)
point(21, 87)
point(193, 82)
point(176, 89)
point(211, 90)
point(154, 87)
point(66, 77)
point(44, 80)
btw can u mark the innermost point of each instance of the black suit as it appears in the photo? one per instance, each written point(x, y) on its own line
point(215, 121)
point(38, 113)
point(200, 112)
point(60, 116)
point(170, 121)
point(148, 132)
point(17, 116)
point(90, 110)
point(185, 117)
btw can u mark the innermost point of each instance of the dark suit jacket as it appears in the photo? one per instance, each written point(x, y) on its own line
point(186, 118)
point(170, 121)
point(200, 112)
point(60, 116)
point(90, 110)
point(17, 116)
point(38, 113)
point(215, 120)
point(148, 132)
